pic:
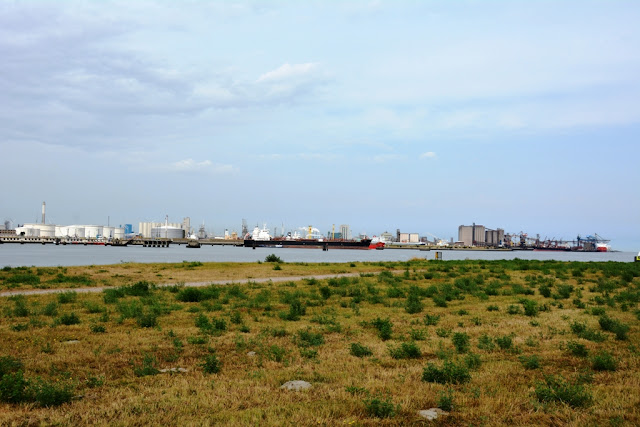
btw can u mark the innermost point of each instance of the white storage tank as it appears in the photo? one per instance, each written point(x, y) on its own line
point(118, 233)
point(108, 232)
point(92, 231)
point(167, 232)
point(62, 231)
point(47, 230)
point(28, 230)
point(76, 231)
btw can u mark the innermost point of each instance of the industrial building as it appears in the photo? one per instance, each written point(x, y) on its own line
point(165, 230)
point(479, 235)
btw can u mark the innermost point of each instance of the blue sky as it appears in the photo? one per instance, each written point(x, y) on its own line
point(418, 115)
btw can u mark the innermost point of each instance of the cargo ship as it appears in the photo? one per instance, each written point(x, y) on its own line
point(261, 238)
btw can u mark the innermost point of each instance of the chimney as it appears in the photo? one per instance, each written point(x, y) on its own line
point(43, 209)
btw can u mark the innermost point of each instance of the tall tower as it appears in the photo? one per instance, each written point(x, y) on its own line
point(43, 211)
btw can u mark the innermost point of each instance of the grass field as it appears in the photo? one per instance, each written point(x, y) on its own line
point(492, 342)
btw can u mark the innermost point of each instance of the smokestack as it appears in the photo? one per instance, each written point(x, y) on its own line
point(43, 209)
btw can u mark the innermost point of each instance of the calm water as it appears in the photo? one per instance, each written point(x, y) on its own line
point(16, 255)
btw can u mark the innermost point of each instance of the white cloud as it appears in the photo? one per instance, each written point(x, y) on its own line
point(190, 165)
point(288, 71)
point(428, 155)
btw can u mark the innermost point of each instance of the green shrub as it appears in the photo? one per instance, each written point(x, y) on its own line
point(613, 325)
point(472, 360)
point(384, 327)
point(191, 295)
point(49, 394)
point(51, 309)
point(413, 304)
point(138, 289)
point(147, 368)
point(505, 342)
point(273, 258)
point(359, 350)
point(555, 389)
point(14, 387)
point(450, 373)
point(460, 342)
point(485, 343)
point(417, 334)
point(380, 407)
point(406, 350)
point(9, 364)
point(98, 329)
point(445, 400)
point(69, 319)
point(514, 309)
point(530, 362)
point(306, 338)
point(604, 361)
point(431, 319)
point(493, 308)
point(577, 349)
point(296, 310)
point(211, 364)
point(276, 353)
point(20, 308)
point(530, 307)
point(67, 297)
point(147, 320)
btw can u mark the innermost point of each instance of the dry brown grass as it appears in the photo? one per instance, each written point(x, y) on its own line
point(247, 389)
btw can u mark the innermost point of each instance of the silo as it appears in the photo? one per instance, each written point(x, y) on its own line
point(75, 231)
point(118, 233)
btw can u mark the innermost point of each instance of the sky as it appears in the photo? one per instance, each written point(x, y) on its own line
point(384, 115)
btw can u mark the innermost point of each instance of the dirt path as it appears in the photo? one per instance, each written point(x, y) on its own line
point(188, 284)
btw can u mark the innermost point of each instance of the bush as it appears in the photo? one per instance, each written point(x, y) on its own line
point(557, 390)
point(67, 297)
point(413, 304)
point(190, 295)
point(450, 373)
point(530, 362)
point(147, 368)
point(14, 387)
point(380, 407)
point(493, 308)
point(530, 307)
point(98, 329)
point(9, 364)
point(485, 343)
point(472, 361)
point(306, 338)
point(505, 342)
point(615, 326)
point(69, 319)
point(211, 364)
point(431, 319)
point(384, 327)
point(461, 342)
point(296, 310)
point(604, 361)
point(577, 349)
point(273, 258)
point(51, 394)
point(147, 320)
point(445, 400)
point(406, 350)
point(359, 350)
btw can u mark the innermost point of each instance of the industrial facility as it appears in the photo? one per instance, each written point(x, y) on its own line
point(479, 235)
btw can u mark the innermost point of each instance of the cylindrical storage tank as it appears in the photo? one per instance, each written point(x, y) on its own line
point(118, 233)
point(108, 232)
point(47, 230)
point(61, 231)
point(165, 232)
point(92, 231)
point(27, 231)
point(76, 231)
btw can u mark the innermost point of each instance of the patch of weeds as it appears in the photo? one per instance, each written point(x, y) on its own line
point(485, 343)
point(431, 319)
point(493, 308)
point(530, 307)
point(445, 400)
point(530, 362)
point(276, 353)
point(514, 309)
point(147, 320)
point(406, 350)
point(211, 364)
point(69, 319)
point(308, 353)
point(417, 334)
point(296, 310)
point(460, 342)
point(604, 361)
point(356, 390)
point(380, 406)
point(443, 332)
point(450, 373)
point(577, 349)
point(613, 325)
point(273, 258)
point(472, 360)
point(555, 389)
point(67, 297)
point(306, 338)
point(98, 329)
point(147, 368)
point(94, 382)
point(384, 327)
point(505, 342)
point(413, 304)
point(359, 350)
point(197, 340)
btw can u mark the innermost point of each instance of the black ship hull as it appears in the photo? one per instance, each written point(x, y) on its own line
point(309, 243)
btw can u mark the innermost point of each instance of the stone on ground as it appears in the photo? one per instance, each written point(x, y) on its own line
point(432, 414)
point(296, 385)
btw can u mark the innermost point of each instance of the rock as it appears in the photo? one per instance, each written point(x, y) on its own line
point(174, 370)
point(296, 385)
point(71, 342)
point(251, 354)
point(432, 414)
